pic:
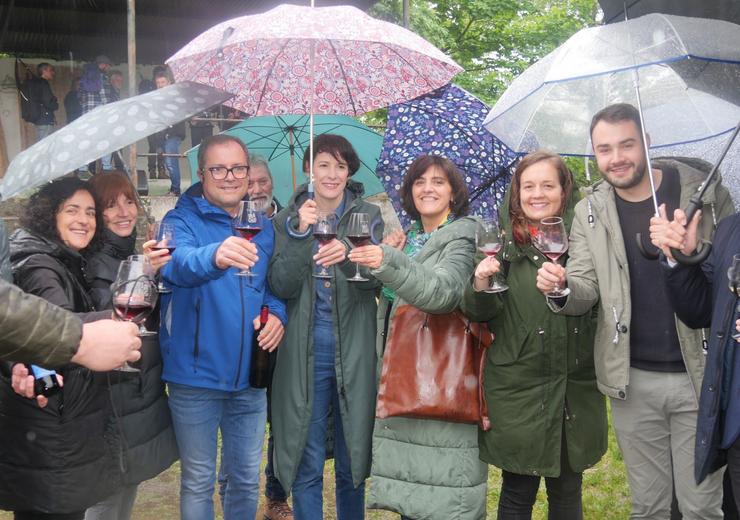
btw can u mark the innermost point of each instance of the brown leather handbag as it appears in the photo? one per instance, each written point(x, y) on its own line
point(433, 368)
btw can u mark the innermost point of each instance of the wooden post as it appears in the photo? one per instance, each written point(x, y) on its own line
point(131, 26)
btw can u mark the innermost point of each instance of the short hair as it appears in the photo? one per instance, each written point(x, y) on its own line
point(335, 145)
point(40, 215)
point(460, 205)
point(41, 67)
point(161, 74)
point(109, 185)
point(218, 140)
point(519, 227)
point(617, 113)
point(115, 73)
point(159, 69)
point(258, 161)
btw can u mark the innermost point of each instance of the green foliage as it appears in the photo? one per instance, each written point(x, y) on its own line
point(493, 40)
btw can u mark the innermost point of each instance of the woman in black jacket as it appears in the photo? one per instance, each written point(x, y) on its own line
point(55, 461)
point(141, 417)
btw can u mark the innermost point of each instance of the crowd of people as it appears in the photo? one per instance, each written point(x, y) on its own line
point(654, 336)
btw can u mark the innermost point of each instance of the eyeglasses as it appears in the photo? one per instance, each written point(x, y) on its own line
point(219, 173)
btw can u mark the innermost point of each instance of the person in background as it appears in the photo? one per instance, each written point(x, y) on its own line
point(141, 413)
point(72, 105)
point(260, 186)
point(116, 82)
point(172, 137)
point(39, 92)
point(96, 90)
point(327, 361)
point(424, 468)
point(648, 362)
point(155, 163)
point(530, 438)
point(206, 333)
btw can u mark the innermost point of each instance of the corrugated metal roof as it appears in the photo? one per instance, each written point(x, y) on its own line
point(82, 29)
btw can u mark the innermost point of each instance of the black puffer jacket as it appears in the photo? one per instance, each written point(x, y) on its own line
point(141, 420)
point(55, 459)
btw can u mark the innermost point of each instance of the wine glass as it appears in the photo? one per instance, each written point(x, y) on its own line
point(489, 240)
point(733, 277)
point(164, 234)
point(248, 223)
point(552, 241)
point(358, 232)
point(133, 295)
point(324, 231)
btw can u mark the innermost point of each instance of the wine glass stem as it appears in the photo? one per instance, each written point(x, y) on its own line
point(357, 270)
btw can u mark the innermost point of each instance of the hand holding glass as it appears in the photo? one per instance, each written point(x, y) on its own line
point(552, 241)
point(358, 232)
point(324, 231)
point(248, 223)
point(164, 234)
point(489, 240)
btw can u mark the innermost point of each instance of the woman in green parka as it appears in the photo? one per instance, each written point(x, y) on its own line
point(424, 468)
point(325, 367)
point(548, 417)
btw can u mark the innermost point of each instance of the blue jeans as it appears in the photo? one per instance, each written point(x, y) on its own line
point(197, 416)
point(172, 145)
point(43, 131)
point(309, 481)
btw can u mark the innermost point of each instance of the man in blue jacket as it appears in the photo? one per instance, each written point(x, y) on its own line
point(700, 298)
point(207, 325)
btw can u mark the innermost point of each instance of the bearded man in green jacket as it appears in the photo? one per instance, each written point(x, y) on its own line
point(649, 363)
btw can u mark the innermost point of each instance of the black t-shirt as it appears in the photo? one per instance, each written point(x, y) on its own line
point(653, 337)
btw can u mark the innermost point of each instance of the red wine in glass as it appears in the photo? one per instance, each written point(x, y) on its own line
point(490, 249)
point(170, 250)
point(134, 311)
point(359, 240)
point(248, 232)
point(324, 238)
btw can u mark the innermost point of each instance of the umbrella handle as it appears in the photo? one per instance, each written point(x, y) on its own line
point(643, 249)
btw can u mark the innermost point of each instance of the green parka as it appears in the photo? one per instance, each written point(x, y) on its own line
point(539, 377)
point(424, 468)
point(291, 279)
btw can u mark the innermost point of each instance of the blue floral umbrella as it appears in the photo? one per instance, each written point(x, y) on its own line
point(448, 122)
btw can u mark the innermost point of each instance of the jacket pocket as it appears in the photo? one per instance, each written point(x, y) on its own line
point(507, 349)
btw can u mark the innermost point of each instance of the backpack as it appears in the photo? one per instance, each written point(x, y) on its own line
point(30, 108)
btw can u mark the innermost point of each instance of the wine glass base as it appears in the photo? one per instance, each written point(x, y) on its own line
point(248, 274)
point(736, 336)
point(127, 368)
point(357, 279)
point(323, 276)
point(498, 289)
point(558, 294)
point(163, 290)
point(146, 333)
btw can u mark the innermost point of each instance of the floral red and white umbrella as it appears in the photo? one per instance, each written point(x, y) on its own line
point(320, 60)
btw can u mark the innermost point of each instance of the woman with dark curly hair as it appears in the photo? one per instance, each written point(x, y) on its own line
point(54, 460)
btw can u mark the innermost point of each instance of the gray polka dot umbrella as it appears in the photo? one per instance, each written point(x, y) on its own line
point(104, 130)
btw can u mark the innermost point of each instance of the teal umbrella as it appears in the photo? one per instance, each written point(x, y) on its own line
point(281, 140)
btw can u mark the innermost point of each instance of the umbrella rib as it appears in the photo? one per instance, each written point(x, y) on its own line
point(269, 73)
point(344, 76)
point(407, 62)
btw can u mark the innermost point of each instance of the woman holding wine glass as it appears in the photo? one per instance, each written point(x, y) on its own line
point(140, 400)
point(424, 468)
point(66, 468)
point(325, 369)
point(548, 418)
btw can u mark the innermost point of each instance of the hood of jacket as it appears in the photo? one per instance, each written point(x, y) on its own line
point(24, 245)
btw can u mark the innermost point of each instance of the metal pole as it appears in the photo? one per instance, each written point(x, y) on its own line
point(131, 30)
point(406, 13)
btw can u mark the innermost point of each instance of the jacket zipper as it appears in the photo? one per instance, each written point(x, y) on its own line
point(241, 340)
point(196, 346)
point(541, 334)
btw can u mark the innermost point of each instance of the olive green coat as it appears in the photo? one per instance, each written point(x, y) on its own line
point(425, 468)
point(290, 278)
point(539, 377)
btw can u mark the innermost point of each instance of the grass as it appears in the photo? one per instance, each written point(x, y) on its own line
point(605, 493)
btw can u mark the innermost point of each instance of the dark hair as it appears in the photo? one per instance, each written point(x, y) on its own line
point(337, 146)
point(617, 113)
point(40, 215)
point(161, 74)
point(519, 225)
point(158, 69)
point(218, 140)
point(460, 205)
point(109, 185)
point(41, 67)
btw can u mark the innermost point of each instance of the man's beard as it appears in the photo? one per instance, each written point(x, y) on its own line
point(263, 204)
point(626, 184)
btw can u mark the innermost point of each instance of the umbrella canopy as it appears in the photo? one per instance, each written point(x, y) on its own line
point(446, 122)
point(282, 141)
point(728, 10)
point(322, 60)
point(104, 130)
point(689, 84)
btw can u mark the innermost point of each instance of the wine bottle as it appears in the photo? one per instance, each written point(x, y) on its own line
point(259, 368)
point(45, 381)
